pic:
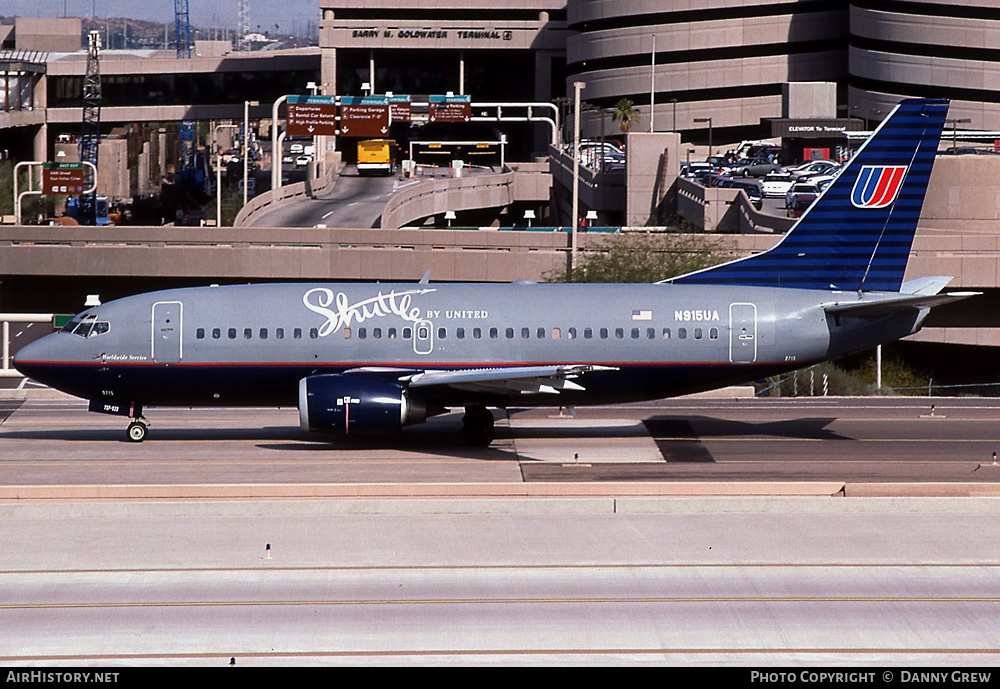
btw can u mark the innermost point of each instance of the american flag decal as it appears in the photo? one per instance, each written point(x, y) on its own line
point(642, 315)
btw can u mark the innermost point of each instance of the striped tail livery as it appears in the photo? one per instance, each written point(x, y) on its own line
point(858, 233)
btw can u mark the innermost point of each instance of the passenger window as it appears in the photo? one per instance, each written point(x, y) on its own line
point(297, 333)
point(200, 333)
point(713, 334)
point(666, 333)
point(571, 334)
point(494, 333)
point(392, 334)
point(697, 333)
point(460, 333)
point(604, 333)
point(247, 333)
point(540, 334)
point(556, 333)
point(216, 333)
point(525, 333)
point(376, 333)
point(362, 333)
point(588, 333)
point(619, 333)
point(650, 333)
point(313, 333)
point(509, 333)
point(407, 333)
point(232, 333)
point(442, 333)
point(346, 332)
point(263, 333)
point(279, 333)
point(682, 333)
point(477, 333)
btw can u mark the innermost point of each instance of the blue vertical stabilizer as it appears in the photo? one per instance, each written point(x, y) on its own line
point(858, 233)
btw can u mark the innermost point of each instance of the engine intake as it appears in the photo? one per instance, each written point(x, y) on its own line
point(337, 403)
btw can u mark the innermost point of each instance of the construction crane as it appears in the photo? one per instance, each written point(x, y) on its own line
point(86, 208)
point(182, 28)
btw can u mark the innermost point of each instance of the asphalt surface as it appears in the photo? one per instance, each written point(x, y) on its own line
point(746, 440)
point(353, 201)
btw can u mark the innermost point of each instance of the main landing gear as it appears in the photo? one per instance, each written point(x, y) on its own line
point(477, 426)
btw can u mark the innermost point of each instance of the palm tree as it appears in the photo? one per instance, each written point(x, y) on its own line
point(624, 114)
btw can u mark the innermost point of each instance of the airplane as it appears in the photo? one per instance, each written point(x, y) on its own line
point(374, 358)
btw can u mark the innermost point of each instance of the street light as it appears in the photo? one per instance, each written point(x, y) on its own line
point(577, 87)
point(529, 215)
point(652, 83)
point(591, 217)
point(449, 216)
point(709, 120)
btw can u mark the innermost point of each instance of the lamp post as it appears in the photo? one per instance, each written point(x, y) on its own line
point(449, 216)
point(709, 120)
point(591, 217)
point(652, 84)
point(529, 215)
point(577, 87)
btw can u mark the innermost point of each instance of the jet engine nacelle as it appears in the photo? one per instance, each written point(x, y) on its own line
point(337, 403)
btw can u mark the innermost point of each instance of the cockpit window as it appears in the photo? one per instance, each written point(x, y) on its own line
point(87, 327)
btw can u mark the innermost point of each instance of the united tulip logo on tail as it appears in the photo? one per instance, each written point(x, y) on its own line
point(877, 185)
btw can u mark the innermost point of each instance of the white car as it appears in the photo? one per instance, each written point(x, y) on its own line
point(303, 161)
point(775, 185)
point(814, 168)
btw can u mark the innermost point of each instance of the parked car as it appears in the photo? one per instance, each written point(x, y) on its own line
point(753, 167)
point(798, 189)
point(800, 205)
point(775, 185)
point(815, 167)
point(303, 161)
point(752, 191)
point(689, 170)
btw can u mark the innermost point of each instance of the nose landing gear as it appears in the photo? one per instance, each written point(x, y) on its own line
point(137, 430)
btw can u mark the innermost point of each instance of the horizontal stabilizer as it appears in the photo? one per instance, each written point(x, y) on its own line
point(871, 308)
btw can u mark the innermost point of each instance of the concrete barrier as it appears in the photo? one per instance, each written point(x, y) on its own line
point(524, 182)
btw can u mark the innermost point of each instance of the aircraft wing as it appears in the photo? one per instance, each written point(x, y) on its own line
point(516, 380)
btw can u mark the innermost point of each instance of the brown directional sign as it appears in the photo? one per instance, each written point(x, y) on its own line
point(62, 178)
point(364, 120)
point(311, 119)
point(399, 111)
point(450, 112)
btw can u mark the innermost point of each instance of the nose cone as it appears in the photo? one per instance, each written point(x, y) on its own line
point(32, 357)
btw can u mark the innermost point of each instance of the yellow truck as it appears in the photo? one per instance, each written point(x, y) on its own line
point(375, 157)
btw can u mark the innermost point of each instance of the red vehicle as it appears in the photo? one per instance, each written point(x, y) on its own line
point(800, 204)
